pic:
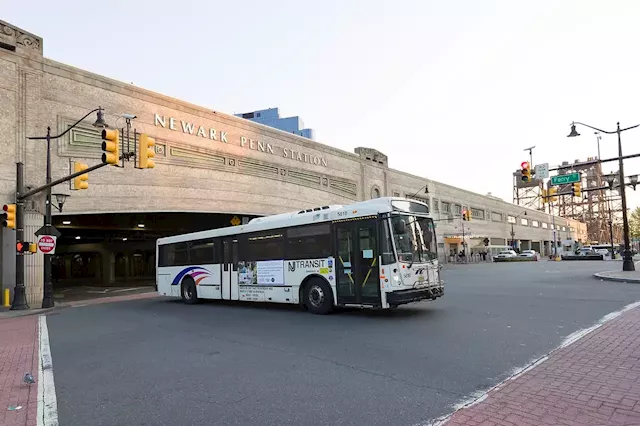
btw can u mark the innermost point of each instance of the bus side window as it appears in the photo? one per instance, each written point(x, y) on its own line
point(386, 246)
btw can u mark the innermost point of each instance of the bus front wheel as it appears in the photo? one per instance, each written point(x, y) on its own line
point(318, 297)
point(189, 293)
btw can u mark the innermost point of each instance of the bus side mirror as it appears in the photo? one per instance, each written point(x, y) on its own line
point(399, 226)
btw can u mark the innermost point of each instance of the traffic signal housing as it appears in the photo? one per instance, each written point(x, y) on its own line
point(577, 189)
point(82, 181)
point(544, 196)
point(111, 146)
point(526, 171)
point(466, 215)
point(552, 194)
point(146, 151)
point(9, 216)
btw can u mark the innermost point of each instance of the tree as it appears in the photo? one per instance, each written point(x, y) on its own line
point(634, 223)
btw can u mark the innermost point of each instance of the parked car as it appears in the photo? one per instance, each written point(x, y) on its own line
point(506, 253)
point(528, 253)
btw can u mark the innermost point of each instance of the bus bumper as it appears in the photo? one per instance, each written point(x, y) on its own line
point(402, 297)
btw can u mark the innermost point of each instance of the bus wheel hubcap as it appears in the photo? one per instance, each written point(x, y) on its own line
point(316, 296)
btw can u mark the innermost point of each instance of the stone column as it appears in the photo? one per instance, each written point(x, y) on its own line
point(33, 263)
point(108, 268)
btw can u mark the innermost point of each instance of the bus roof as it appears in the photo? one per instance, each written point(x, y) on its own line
point(299, 217)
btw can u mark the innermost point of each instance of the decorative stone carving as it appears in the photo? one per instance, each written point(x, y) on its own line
point(370, 154)
point(15, 37)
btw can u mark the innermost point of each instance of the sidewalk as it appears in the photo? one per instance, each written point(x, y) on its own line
point(619, 275)
point(593, 381)
point(18, 355)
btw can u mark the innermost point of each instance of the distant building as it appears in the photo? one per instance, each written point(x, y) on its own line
point(271, 117)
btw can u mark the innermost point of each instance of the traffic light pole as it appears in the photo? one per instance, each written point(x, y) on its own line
point(47, 295)
point(19, 292)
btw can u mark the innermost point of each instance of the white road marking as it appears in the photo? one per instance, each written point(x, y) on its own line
point(480, 396)
point(47, 404)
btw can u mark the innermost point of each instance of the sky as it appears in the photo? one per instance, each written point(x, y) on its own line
point(450, 90)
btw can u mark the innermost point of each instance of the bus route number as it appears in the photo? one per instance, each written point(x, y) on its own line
point(342, 213)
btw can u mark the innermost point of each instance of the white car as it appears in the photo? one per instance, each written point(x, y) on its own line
point(528, 253)
point(506, 253)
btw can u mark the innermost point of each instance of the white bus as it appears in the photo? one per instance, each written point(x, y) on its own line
point(379, 253)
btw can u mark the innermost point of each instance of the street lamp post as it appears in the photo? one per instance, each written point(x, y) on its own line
point(513, 233)
point(627, 263)
point(47, 296)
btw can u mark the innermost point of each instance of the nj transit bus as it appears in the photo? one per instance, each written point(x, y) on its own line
point(379, 253)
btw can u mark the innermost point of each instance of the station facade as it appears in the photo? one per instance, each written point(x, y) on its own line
point(212, 169)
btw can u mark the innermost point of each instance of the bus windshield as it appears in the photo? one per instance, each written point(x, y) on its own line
point(414, 237)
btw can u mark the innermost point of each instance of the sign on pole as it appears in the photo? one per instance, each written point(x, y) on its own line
point(542, 171)
point(565, 179)
point(47, 244)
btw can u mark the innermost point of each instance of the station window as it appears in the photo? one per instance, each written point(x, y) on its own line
point(511, 219)
point(446, 207)
point(544, 225)
point(496, 217)
point(457, 209)
point(535, 223)
point(524, 222)
point(477, 213)
point(436, 205)
point(309, 242)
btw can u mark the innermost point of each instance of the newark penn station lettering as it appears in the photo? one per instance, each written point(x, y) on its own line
point(252, 144)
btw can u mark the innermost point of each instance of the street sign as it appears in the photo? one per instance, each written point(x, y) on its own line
point(235, 221)
point(565, 179)
point(542, 171)
point(47, 244)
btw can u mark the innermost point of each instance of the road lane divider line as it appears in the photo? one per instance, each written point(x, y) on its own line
point(479, 396)
point(47, 403)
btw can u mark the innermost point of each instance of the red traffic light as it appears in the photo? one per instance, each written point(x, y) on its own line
point(524, 165)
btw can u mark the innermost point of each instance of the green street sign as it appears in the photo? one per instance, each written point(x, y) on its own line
point(565, 179)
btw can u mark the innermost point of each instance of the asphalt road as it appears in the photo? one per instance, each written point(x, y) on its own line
point(159, 362)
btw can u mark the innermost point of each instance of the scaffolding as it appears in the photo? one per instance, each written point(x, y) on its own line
point(527, 194)
point(595, 208)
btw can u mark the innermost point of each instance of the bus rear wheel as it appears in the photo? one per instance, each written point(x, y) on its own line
point(188, 291)
point(318, 297)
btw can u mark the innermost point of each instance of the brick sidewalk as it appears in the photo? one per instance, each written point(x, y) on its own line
point(18, 355)
point(594, 381)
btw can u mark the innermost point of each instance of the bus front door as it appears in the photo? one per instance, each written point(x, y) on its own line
point(229, 269)
point(357, 272)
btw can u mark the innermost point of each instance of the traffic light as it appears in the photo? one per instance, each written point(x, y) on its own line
point(466, 215)
point(577, 189)
point(9, 216)
point(111, 146)
point(544, 196)
point(552, 194)
point(33, 248)
point(82, 181)
point(526, 171)
point(146, 151)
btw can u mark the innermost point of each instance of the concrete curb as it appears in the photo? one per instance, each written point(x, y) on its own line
point(78, 304)
point(605, 277)
point(26, 312)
